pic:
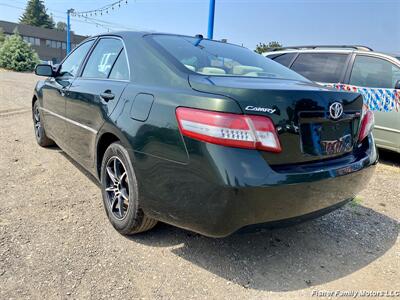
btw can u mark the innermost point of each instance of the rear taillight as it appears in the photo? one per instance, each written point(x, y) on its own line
point(232, 130)
point(367, 123)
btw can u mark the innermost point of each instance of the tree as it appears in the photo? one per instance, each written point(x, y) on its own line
point(36, 15)
point(17, 55)
point(262, 47)
point(62, 26)
point(2, 36)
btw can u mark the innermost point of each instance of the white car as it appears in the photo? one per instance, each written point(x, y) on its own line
point(355, 68)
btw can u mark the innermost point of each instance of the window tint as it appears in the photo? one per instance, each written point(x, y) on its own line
point(214, 58)
point(374, 72)
point(284, 59)
point(120, 70)
point(102, 58)
point(71, 65)
point(322, 67)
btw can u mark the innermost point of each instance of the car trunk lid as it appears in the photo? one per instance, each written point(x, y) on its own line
point(300, 111)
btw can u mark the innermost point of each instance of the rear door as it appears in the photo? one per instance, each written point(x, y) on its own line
point(54, 92)
point(93, 96)
point(377, 77)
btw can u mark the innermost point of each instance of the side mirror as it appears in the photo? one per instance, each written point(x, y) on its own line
point(397, 85)
point(44, 70)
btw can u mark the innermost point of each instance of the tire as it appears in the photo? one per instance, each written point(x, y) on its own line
point(41, 138)
point(120, 192)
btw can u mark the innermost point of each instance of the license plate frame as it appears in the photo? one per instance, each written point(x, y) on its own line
point(326, 138)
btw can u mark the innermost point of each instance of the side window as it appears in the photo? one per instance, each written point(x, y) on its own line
point(284, 59)
point(102, 58)
point(374, 72)
point(71, 64)
point(322, 67)
point(120, 70)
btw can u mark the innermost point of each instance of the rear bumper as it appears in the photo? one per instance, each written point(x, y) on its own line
point(225, 189)
point(255, 205)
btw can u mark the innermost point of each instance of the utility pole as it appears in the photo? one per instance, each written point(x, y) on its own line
point(211, 20)
point(69, 11)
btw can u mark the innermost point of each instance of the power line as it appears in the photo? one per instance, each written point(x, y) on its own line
point(86, 15)
point(112, 24)
point(73, 12)
point(99, 11)
point(99, 23)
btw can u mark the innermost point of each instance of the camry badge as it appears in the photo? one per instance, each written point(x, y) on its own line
point(336, 110)
point(262, 109)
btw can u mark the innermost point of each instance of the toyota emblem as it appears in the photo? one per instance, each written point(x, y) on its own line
point(336, 110)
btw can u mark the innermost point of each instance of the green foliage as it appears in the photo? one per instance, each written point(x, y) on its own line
point(62, 26)
point(2, 36)
point(35, 14)
point(17, 55)
point(356, 201)
point(262, 47)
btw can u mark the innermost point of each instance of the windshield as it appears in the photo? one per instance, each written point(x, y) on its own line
point(221, 59)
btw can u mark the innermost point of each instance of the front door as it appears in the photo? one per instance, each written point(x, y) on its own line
point(93, 96)
point(53, 107)
point(54, 94)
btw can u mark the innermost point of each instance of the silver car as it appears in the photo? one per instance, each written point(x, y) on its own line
point(358, 68)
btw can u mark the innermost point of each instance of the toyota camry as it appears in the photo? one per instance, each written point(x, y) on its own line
point(205, 135)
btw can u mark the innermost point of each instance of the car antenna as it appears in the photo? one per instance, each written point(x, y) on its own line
point(199, 38)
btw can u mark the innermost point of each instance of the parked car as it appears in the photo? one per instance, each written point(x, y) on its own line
point(357, 68)
point(201, 134)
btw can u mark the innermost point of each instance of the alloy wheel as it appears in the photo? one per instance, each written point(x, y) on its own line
point(36, 122)
point(117, 187)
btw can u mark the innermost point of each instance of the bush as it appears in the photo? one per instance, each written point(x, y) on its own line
point(17, 55)
point(2, 37)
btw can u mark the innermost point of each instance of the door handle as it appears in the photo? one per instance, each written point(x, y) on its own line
point(107, 95)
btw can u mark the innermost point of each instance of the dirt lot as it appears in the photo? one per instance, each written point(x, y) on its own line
point(55, 240)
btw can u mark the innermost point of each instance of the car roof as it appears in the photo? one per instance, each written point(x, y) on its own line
point(126, 34)
point(332, 50)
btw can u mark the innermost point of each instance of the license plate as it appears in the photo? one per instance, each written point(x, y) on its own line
point(340, 145)
point(319, 139)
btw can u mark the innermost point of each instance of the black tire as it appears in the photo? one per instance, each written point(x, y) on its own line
point(41, 138)
point(120, 190)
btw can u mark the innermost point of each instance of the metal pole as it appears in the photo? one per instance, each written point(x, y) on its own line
point(211, 20)
point(69, 11)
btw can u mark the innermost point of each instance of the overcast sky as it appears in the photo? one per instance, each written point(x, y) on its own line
point(375, 23)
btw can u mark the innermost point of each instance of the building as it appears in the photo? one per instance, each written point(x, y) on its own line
point(50, 44)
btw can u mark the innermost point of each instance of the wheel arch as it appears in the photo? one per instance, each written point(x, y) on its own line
point(34, 99)
point(104, 141)
point(37, 92)
point(106, 137)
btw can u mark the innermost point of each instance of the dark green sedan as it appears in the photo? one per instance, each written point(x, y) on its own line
point(202, 134)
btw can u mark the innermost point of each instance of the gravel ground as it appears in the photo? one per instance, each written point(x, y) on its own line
point(56, 243)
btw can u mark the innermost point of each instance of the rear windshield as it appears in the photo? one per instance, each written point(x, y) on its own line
point(221, 59)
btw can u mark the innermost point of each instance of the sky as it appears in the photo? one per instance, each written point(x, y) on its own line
point(374, 23)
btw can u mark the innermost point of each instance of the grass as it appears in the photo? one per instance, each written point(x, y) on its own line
point(356, 201)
